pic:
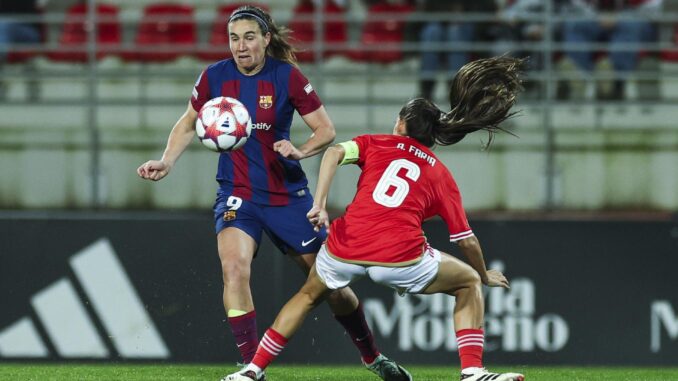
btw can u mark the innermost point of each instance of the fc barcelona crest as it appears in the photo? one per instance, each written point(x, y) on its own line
point(229, 215)
point(265, 101)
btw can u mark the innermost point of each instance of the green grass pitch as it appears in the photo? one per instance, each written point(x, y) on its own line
point(282, 372)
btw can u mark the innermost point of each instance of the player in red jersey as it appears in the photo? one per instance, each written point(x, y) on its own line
point(262, 187)
point(402, 184)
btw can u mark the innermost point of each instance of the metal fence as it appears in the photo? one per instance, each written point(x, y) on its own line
point(370, 77)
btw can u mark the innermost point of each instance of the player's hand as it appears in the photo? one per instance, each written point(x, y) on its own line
point(318, 217)
point(153, 170)
point(287, 150)
point(496, 279)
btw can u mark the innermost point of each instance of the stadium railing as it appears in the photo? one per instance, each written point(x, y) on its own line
point(364, 79)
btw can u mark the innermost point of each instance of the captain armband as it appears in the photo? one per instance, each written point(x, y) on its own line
point(351, 152)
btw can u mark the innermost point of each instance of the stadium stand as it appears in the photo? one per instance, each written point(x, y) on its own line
point(303, 26)
point(671, 55)
point(382, 33)
point(166, 32)
point(73, 39)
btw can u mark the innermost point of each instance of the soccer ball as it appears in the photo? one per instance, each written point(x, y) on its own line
point(223, 124)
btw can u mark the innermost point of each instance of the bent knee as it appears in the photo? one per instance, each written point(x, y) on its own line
point(472, 279)
point(309, 298)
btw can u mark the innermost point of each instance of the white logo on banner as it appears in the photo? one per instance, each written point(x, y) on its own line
point(425, 322)
point(68, 324)
point(662, 315)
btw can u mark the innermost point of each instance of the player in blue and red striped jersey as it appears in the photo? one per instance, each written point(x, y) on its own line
point(262, 187)
point(401, 185)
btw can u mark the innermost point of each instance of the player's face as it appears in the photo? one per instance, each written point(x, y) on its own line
point(248, 45)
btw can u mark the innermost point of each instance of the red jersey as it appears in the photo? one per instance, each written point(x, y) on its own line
point(402, 184)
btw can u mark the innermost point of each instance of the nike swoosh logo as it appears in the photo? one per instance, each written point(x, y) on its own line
point(306, 243)
point(240, 345)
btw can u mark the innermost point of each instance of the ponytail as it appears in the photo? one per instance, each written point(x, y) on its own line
point(481, 97)
point(278, 47)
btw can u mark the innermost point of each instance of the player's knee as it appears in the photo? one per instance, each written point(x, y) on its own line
point(471, 287)
point(473, 280)
point(235, 273)
point(308, 298)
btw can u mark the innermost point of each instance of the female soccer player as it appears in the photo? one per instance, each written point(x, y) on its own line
point(262, 186)
point(402, 184)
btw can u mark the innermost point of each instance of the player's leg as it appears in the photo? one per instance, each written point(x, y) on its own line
point(349, 312)
point(293, 234)
point(236, 250)
point(238, 235)
point(290, 318)
point(290, 230)
point(457, 278)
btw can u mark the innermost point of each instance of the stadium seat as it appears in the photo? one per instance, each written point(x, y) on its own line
point(166, 32)
point(218, 45)
point(385, 27)
point(73, 40)
point(303, 29)
point(672, 54)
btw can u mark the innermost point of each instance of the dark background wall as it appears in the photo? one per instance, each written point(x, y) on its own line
point(583, 292)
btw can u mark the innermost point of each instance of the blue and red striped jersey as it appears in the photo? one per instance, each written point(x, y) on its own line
point(255, 172)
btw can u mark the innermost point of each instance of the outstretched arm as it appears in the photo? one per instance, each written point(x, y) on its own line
point(323, 134)
point(180, 137)
point(471, 248)
point(328, 167)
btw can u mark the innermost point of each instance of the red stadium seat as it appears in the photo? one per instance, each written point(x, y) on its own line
point(303, 29)
point(385, 27)
point(672, 54)
point(219, 48)
point(166, 32)
point(73, 39)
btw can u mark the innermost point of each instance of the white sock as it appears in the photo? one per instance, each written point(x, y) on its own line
point(471, 370)
point(255, 369)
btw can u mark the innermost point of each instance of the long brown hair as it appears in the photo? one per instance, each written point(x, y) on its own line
point(481, 97)
point(278, 47)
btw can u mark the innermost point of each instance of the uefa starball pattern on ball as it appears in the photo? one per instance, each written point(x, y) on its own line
point(223, 124)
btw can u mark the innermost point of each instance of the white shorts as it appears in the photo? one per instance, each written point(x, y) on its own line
point(411, 279)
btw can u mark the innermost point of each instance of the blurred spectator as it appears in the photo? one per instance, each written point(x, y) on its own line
point(15, 29)
point(522, 22)
point(619, 22)
point(451, 32)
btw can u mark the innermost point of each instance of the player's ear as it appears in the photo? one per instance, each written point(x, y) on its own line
point(267, 39)
point(401, 127)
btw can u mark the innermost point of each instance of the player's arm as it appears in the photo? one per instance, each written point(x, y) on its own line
point(474, 254)
point(323, 134)
point(333, 157)
point(179, 138)
point(471, 249)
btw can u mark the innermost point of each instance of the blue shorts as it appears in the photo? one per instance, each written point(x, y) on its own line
point(287, 226)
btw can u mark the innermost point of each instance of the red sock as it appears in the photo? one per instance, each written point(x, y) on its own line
point(356, 326)
point(470, 344)
point(244, 329)
point(269, 348)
